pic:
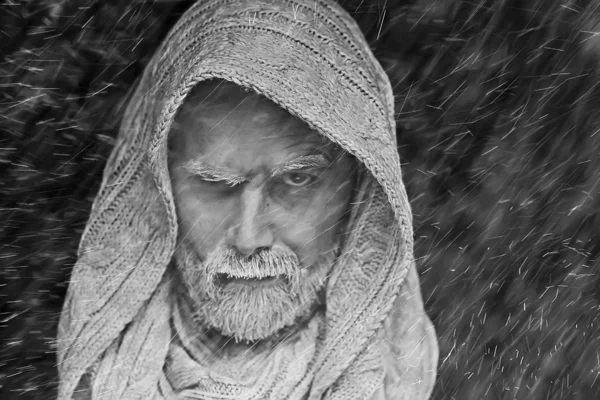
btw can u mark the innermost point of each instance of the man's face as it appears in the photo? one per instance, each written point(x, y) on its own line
point(260, 198)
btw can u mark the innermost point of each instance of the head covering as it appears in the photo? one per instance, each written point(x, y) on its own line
point(310, 58)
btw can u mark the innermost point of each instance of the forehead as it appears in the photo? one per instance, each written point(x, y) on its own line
point(223, 114)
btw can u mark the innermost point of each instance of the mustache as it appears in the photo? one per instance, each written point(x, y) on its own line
point(265, 263)
point(228, 263)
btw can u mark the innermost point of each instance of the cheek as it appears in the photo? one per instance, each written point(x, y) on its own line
point(201, 221)
point(312, 231)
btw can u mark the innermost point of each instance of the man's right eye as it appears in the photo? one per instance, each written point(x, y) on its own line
point(216, 183)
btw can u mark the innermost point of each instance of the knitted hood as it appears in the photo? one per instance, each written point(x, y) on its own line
point(311, 59)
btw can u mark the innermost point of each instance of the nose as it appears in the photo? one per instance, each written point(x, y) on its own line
point(252, 232)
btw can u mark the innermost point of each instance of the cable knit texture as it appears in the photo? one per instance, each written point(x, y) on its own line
point(374, 339)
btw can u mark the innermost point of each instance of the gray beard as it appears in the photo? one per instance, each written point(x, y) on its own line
point(245, 313)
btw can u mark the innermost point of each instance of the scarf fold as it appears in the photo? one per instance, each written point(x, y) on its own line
point(310, 58)
point(200, 373)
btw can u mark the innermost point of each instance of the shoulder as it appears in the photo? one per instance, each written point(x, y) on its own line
point(410, 341)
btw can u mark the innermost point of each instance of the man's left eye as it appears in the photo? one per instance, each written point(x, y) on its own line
point(298, 179)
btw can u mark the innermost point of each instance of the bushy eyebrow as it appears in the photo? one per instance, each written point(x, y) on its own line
point(315, 161)
point(214, 174)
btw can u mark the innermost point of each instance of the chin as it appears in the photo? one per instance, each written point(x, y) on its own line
point(255, 314)
point(255, 306)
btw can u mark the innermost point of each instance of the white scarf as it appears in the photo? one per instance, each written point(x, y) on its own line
point(310, 58)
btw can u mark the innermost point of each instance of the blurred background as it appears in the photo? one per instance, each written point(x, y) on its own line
point(498, 129)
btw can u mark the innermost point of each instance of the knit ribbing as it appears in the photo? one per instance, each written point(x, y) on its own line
point(309, 58)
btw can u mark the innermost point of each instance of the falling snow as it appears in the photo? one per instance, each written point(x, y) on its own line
point(498, 127)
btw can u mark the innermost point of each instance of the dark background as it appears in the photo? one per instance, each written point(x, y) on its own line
point(498, 129)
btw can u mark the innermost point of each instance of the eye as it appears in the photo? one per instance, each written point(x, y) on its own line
point(297, 179)
point(216, 184)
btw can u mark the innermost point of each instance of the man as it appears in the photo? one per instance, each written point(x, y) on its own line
point(252, 238)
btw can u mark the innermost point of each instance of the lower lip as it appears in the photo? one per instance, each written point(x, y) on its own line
point(257, 283)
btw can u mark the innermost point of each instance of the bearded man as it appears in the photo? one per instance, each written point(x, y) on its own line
point(252, 238)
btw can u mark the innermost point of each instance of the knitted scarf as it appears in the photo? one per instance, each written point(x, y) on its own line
point(119, 328)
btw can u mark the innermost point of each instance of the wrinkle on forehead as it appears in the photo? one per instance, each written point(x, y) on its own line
point(228, 108)
point(261, 117)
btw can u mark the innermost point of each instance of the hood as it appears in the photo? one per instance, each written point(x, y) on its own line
point(311, 59)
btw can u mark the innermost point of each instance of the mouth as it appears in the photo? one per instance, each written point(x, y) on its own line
point(227, 279)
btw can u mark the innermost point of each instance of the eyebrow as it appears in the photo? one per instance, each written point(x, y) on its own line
point(315, 161)
point(214, 174)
